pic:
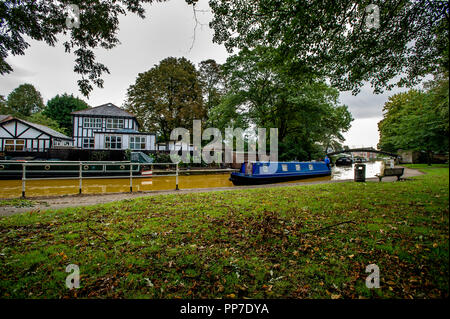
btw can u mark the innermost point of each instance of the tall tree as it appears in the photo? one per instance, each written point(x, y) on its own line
point(347, 41)
point(212, 81)
point(24, 101)
point(92, 24)
point(167, 96)
point(271, 95)
point(3, 107)
point(40, 118)
point(59, 108)
point(415, 120)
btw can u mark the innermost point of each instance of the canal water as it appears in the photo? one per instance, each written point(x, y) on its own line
point(49, 187)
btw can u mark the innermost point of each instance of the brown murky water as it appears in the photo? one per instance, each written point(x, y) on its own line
point(49, 187)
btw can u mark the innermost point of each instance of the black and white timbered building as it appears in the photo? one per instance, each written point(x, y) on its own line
point(108, 127)
point(20, 136)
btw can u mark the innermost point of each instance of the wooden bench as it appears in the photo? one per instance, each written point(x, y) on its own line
point(397, 171)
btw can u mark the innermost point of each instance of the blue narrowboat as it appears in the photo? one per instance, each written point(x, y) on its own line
point(274, 172)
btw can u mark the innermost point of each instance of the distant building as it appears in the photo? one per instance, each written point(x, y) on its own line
point(17, 135)
point(174, 146)
point(367, 155)
point(411, 157)
point(108, 127)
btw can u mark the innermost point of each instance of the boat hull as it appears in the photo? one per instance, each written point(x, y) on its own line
point(242, 179)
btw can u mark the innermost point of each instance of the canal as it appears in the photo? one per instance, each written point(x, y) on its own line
point(53, 187)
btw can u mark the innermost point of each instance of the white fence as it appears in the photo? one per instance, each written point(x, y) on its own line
point(83, 167)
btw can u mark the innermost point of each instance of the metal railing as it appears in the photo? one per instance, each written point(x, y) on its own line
point(84, 167)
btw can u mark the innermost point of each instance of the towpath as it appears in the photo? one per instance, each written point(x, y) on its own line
point(45, 203)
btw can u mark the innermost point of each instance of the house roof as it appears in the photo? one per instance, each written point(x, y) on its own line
point(39, 127)
point(4, 117)
point(108, 109)
point(48, 130)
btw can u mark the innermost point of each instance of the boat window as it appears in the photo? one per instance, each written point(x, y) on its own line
point(265, 169)
point(284, 167)
point(297, 167)
point(311, 167)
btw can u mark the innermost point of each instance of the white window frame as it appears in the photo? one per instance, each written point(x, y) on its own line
point(89, 141)
point(284, 167)
point(15, 145)
point(298, 167)
point(92, 122)
point(113, 140)
point(134, 143)
point(113, 123)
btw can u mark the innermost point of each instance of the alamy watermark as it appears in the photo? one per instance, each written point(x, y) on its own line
point(73, 16)
point(220, 149)
point(373, 280)
point(73, 279)
point(372, 19)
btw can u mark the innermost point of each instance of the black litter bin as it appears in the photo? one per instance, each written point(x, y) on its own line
point(360, 172)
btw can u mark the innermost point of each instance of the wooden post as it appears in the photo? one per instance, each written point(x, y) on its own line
point(176, 188)
point(131, 177)
point(23, 179)
point(81, 179)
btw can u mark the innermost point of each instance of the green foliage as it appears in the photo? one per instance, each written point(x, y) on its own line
point(211, 76)
point(417, 120)
point(266, 92)
point(213, 83)
point(3, 107)
point(331, 38)
point(46, 21)
point(18, 202)
point(40, 118)
point(24, 101)
point(167, 96)
point(60, 107)
point(162, 158)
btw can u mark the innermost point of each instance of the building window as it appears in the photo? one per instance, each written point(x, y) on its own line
point(137, 142)
point(114, 123)
point(14, 145)
point(92, 122)
point(113, 142)
point(88, 143)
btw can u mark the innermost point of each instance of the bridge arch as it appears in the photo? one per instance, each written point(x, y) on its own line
point(363, 150)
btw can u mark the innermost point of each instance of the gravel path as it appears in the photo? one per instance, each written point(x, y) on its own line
point(45, 203)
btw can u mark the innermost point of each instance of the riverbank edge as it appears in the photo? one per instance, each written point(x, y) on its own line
point(69, 201)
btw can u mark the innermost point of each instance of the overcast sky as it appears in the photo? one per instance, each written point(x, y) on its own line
point(168, 30)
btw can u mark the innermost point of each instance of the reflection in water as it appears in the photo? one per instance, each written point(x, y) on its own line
point(13, 188)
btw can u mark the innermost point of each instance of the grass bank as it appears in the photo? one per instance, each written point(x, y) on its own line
point(425, 166)
point(311, 241)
